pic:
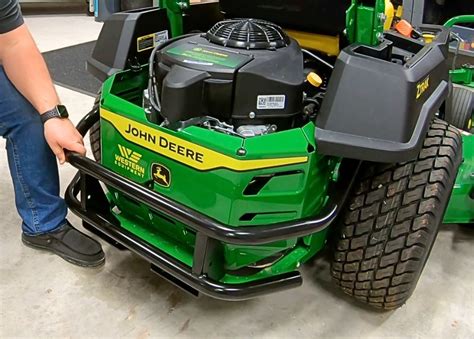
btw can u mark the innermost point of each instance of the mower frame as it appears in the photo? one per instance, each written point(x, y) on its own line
point(94, 209)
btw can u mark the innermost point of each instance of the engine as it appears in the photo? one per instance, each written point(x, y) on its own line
point(243, 77)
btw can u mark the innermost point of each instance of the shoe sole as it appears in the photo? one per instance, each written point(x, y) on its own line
point(76, 262)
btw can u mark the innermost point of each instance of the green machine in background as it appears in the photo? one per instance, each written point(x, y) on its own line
point(229, 156)
point(175, 11)
point(463, 76)
point(458, 15)
point(460, 112)
point(460, 106)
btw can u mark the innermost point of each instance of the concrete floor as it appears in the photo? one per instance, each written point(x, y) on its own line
point(43, 296)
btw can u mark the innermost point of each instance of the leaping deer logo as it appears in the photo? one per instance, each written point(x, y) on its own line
point(161, 175)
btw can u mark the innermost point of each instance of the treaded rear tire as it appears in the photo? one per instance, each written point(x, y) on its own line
point(94, 133)
point(391, 220)
point(460, 106)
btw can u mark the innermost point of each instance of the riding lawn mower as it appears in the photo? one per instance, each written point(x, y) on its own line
point(233, 141)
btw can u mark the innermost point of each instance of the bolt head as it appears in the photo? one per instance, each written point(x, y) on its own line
point(241, 152)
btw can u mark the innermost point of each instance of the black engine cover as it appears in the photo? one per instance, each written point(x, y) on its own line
point(246, 84)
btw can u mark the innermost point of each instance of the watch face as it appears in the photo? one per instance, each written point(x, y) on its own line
point(62, 111)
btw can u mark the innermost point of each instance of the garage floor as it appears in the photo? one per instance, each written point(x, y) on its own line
point(43, 296)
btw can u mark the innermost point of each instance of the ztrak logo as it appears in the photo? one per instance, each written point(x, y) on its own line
point(130, 161)
point(422, 87)
point(161, 175)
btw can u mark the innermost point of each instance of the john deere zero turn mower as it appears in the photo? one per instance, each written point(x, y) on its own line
point(228, 151)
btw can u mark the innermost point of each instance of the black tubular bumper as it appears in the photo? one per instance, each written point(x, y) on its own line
point(251, 235)
point(183, 276)
point(85, 198)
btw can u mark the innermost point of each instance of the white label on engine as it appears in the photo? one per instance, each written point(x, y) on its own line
point(161, 37)
point(198, 62)
point(271, 101)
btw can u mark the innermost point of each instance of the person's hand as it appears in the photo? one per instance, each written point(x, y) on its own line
point(61, 135)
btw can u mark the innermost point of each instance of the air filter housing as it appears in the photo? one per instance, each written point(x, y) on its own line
point(248, 34)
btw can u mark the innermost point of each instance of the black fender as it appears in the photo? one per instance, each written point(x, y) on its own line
point(126, 40)
point(378, 109)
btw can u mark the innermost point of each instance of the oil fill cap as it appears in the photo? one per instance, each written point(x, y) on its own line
point(314, 79)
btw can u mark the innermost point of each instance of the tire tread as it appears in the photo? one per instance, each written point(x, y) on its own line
point(94, 133)
point(391, 222)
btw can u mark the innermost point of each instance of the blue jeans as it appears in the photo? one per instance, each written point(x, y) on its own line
point(32, 164)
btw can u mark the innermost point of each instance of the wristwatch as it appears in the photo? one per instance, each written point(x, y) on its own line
point(59, 111)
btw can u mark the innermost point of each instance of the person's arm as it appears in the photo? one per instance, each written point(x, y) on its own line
point(26, 69)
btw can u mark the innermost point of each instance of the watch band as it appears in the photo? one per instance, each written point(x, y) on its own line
point(50, 115)
point(57, 112)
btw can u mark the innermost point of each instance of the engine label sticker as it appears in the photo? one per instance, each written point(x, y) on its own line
point(190, 53)
point(151, 40)
point(182, 151)
point(271, 102)
point(161, 175)
point(130, 161)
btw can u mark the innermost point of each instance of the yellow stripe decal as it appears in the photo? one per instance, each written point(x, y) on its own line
point(185, 152)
